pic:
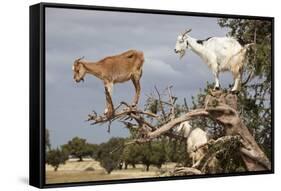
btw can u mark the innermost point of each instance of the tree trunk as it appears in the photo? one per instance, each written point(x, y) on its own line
point(147, 167)
point(222, 108)
point(80, 159)
point(120, 166)
point(56, 168)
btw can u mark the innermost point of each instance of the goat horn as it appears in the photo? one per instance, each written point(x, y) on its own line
point(80, 59)
point(186, 31)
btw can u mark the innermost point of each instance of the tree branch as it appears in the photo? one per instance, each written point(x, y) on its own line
point(166, 127)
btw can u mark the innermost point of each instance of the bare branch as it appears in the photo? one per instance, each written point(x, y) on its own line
point(172, 102)
point(185, 171)
point(173, 123)
point(160, 102)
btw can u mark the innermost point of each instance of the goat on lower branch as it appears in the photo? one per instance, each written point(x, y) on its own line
point(111, 70)
point(219, 53)
point(195, 137)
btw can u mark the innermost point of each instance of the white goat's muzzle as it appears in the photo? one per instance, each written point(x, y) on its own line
point(181, 53)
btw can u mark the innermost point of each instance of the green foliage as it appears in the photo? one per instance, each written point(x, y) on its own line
point(152, 153)
point(131, 155)
point(78, 147)
point(109, 154)
point(230, 158)
point(176, 151)
point(158, 156)
point(56, 157)
point(93, 149)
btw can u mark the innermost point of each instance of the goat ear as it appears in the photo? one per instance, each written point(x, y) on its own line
point(72, 67)
point(81, 63)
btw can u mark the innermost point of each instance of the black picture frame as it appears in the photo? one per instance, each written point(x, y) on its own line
point(37, 93)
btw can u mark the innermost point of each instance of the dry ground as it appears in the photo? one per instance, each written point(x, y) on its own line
point(74, 171)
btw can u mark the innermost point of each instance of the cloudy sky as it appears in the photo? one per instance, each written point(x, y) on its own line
point(72, 33)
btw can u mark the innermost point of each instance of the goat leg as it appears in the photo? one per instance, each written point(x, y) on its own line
point(109, 111)
point(136, 83)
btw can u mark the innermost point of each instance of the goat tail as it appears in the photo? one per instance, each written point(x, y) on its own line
point(251, 74)
point(246, 47)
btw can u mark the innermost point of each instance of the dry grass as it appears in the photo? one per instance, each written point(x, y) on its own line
point(74, 171)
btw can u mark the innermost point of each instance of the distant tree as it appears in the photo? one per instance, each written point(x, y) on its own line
point(152, 153)
point(56, 157)
point(131, 155)
point(47, 140)
point(176, 151)
point(108, 164)
point(78, 147)
point(109, 154)
point(93, 150)
point(158, 156)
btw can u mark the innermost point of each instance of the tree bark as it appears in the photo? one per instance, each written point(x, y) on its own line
point(222, 107)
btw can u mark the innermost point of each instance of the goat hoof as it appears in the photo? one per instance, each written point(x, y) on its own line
point(217, 88)
point(235, 92)
point(109, 114)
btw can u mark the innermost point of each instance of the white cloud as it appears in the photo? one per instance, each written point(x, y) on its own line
point(155, 67)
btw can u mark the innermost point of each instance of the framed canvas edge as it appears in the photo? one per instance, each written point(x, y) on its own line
point(38, 56)
point(36, 135)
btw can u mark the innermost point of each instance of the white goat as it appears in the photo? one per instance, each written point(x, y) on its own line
point(219, 53)
point(195, 138)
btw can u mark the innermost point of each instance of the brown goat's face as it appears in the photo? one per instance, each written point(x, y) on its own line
point(78, 72)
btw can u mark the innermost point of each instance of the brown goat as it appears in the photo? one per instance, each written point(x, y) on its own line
point(113, 69)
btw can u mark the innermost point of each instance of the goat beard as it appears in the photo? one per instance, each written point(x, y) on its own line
point(182, 53)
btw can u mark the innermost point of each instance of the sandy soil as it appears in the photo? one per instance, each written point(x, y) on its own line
point(74, 171)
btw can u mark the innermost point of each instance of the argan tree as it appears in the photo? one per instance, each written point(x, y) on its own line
point(78, 147)
point(56, 157)
point(109, 154)
point(131, 155)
